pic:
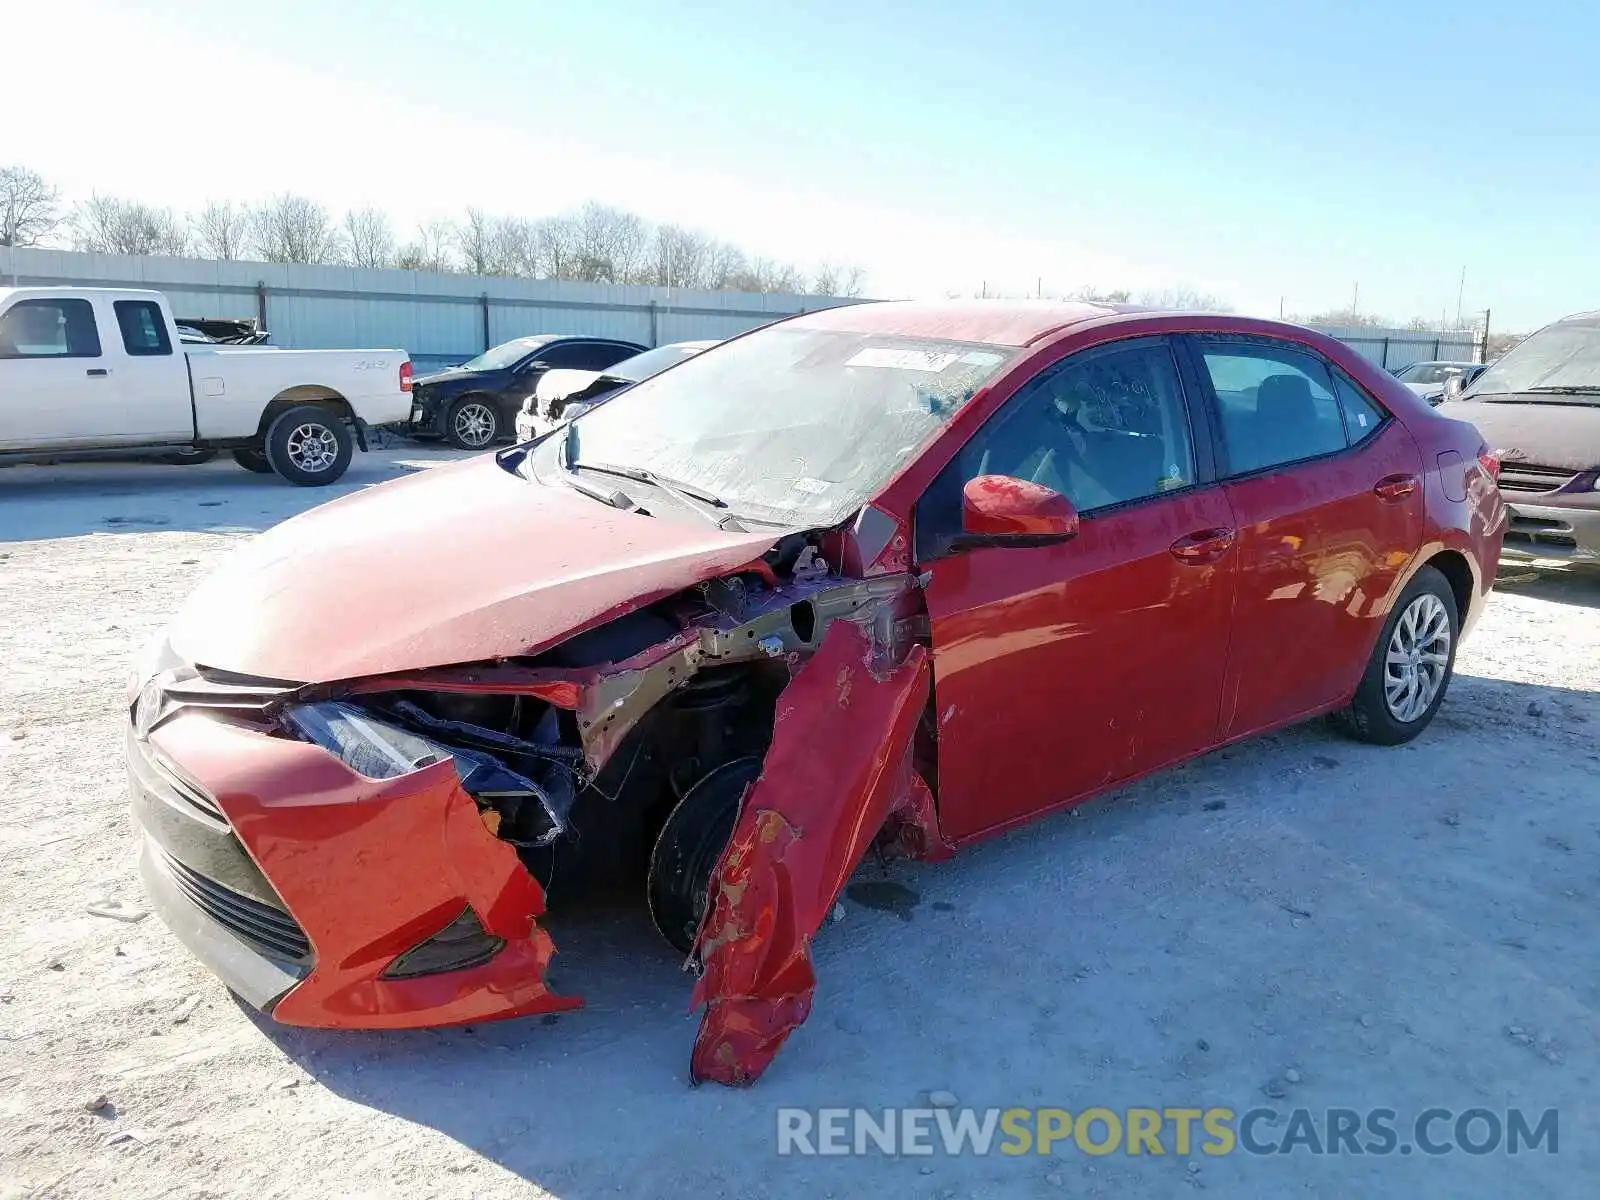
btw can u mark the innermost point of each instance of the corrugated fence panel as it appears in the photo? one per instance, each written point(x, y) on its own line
point(437, 318)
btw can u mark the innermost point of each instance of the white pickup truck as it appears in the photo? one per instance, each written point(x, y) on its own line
point(86, 370)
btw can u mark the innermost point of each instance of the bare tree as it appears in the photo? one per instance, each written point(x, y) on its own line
point(293, 229)
point(1339, 317)
point(555, 248)
point(221, 231)
point(430, 251)
point(1186, 298)
point(28, 212)
point(832, 279)
point(107, 225)
point(369, 242)
point(477, 243)
point(609, 244)
point(1094, 295)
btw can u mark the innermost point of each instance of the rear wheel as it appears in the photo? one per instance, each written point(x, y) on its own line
point(1411, 666)
point(309, 445)
point(686, 852)
point(473, 423)
point(252, 460)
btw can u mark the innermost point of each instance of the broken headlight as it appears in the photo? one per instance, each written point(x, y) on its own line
point(381, 749)
point(375, 748)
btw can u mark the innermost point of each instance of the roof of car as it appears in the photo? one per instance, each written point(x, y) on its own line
point(999, 322)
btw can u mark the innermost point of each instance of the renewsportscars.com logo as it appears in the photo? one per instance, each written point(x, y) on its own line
point(1211, 1131)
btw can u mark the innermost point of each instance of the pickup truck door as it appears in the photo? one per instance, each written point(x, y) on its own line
point(152, 372)
point(56, 383)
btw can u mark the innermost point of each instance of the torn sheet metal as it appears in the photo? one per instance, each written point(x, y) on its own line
point(839, 764)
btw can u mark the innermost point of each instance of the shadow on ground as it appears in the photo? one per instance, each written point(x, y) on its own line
point(1251, 903)
point(74, 499)
point(1560, 585)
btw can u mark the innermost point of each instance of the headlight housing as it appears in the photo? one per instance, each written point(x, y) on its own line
point(381, 749)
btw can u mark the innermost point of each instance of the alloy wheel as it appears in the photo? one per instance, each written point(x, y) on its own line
point(1417, 658)
point(474, 425)
point(312, 448)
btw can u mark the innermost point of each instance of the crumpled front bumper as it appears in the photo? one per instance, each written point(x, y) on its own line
point(249, 840)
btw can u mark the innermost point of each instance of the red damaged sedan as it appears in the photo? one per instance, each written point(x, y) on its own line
point(897, 574)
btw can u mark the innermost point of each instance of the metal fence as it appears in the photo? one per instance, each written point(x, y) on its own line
point(1393, 349)
point(439, 319)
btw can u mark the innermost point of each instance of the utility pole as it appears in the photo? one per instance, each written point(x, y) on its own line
point(1280, 307)
point(1460, 292)
point(1355, 302)
point(1485, 356)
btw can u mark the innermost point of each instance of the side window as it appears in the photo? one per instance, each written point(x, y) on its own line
point(144, 333)
point(563, 354)
point(597, 356)
point(1276, 404)
point(49, 329)
point(1102, 428)
point(1362, 416)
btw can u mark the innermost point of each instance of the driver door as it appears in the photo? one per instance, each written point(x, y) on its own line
point(1060, 670)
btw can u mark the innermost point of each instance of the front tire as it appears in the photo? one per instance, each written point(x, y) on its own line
point(472, 423)
point(309, 445)
point(252, 460)
point(688, 848)
point(1411, 666)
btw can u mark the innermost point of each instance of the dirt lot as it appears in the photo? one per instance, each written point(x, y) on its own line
point(1344, 925)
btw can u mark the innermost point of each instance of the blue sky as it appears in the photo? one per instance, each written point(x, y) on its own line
point(1265, 153)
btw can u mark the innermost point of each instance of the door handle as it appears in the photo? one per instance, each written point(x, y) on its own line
point(1203, 546)
point(97, 372)
point(1395, 487)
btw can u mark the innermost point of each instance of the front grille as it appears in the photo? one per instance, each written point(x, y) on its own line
point(268, 930)
point(1521, 477)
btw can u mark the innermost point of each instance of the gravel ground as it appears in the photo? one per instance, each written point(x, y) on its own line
point(1299, 921)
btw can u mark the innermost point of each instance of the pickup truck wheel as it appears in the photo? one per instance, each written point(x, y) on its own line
point(253, 460)
point(309, 445)
point(473, 423)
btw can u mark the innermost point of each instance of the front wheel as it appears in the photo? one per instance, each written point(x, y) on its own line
point(309, 445)
point(252, 460)
point(1411, 666)
point(473, 423)
point(690, 843)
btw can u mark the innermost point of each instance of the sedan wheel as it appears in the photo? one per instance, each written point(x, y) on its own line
point(1419, 653)
point(1409, 671)
point(473, 424)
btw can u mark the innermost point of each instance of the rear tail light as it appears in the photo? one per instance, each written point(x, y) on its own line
point(405, 376)
point(1490, 462)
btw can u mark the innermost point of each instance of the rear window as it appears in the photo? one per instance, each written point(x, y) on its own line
point(144, 333)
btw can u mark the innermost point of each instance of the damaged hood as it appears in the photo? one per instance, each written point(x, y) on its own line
point(451, 565)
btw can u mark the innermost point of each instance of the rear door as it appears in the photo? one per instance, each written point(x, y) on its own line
point(1326, 491)
point(57, 385)
point(1061, 669)
point(153, 378)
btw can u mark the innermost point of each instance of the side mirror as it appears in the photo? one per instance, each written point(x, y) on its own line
point(536, 365)
point(1453, 387)
point(999, 510)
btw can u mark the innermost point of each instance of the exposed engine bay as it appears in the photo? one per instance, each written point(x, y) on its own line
point(616, 762)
